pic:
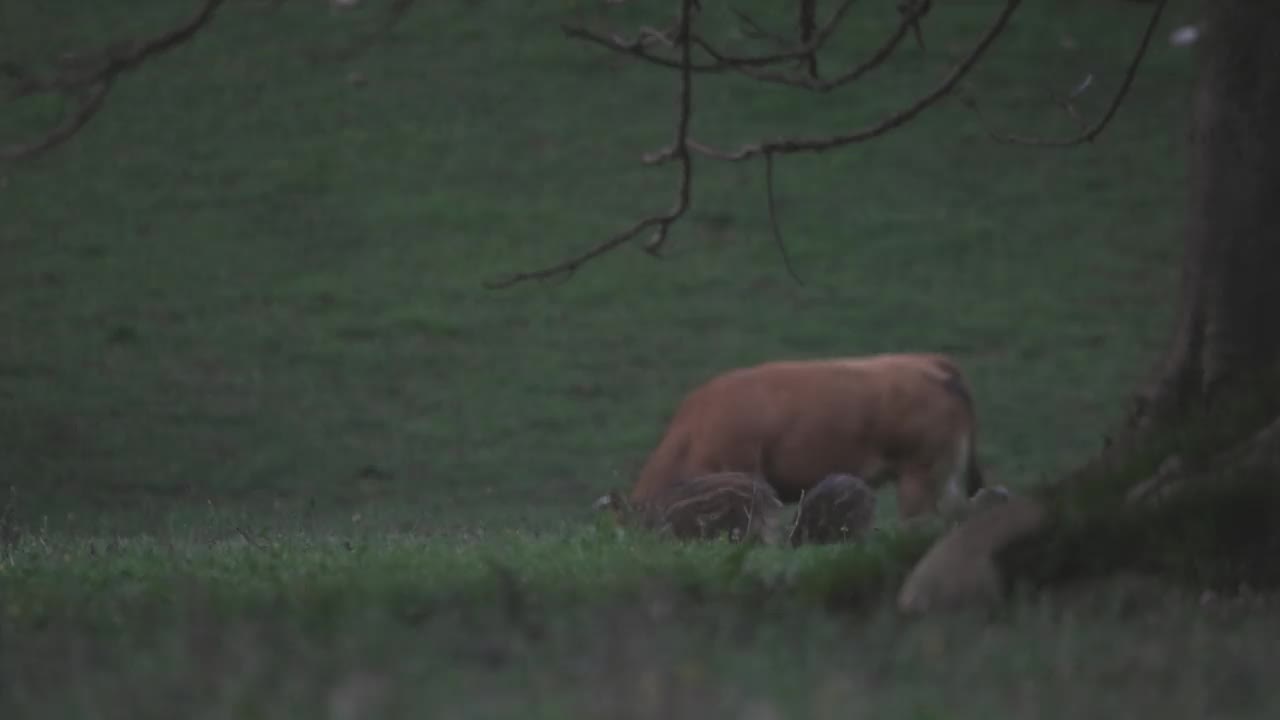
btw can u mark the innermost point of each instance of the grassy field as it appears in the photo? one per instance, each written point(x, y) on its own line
point(270, 448)
point(585, 626)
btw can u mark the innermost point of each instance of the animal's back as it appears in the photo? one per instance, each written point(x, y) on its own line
point(796, 421)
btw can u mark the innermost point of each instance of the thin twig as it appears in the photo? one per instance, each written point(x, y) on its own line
point(822, 143)
point(684, 147)
point(755, 31)
point(684, 114)
point(567, 268)
point(773, 219)
point(1090, 133)
point(808, 22)
point(637, 47)
point(820, 85)
point(640, 46)
point(90, 79)
point(660, 223)
point(912, 9)
point(817, 41)
point(63, 131)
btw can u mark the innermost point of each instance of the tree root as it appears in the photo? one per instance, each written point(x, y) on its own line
point(1216, 524)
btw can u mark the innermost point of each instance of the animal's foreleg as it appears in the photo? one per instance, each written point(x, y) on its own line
point(915, 498)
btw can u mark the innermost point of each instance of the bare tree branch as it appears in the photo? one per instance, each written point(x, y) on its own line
point(89, 78)
point(638, 47)
point(911, 18)
point(819, 39)
point(909, 8)
point(756, 31)
point(71, 124)
point(1092, 132)
point(682, 149)
point(647, 38)
point(808, 22)
point(791, 145)
point(773, 219)
point(660, 223)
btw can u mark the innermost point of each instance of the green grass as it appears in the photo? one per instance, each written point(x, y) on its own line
point(591, 625)
point(247, 302)
point(251, 280)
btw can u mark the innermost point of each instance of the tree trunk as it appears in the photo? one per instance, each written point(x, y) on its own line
point(1227, 336)
point(1228, 326)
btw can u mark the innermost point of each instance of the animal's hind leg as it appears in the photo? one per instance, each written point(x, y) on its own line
point(931, 489)
point(950, 476)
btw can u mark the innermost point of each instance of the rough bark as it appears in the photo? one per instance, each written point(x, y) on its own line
point(1228, 329)
point(1227, 338)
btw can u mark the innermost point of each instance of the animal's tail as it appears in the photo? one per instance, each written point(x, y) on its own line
point(954, 382)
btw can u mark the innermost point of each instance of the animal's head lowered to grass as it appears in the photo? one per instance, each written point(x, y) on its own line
point(905, 418)
point(739, 506)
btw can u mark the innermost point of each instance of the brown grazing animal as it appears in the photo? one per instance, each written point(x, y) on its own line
point(903, 417)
